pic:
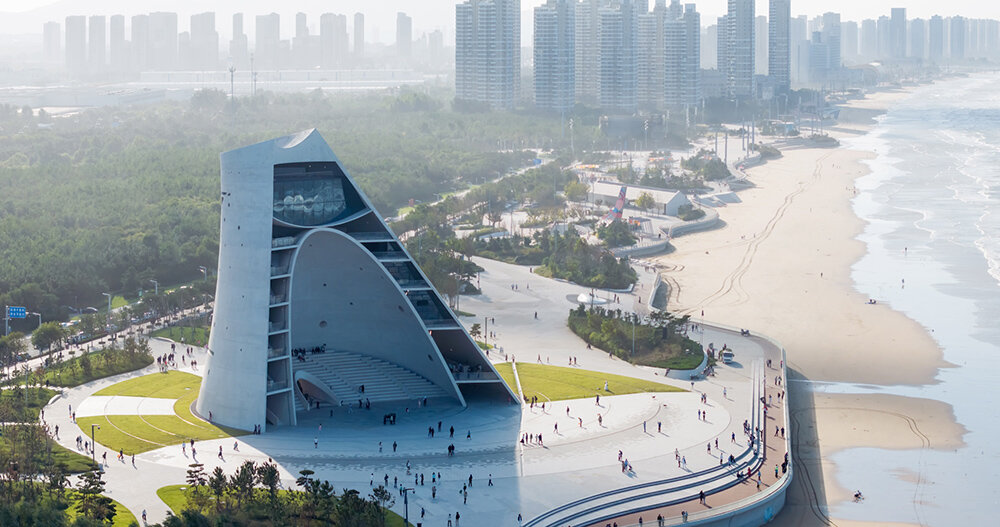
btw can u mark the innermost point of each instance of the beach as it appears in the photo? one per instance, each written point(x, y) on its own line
point(782, 265)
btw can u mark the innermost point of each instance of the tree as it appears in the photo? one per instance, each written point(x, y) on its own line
point(12, 347)
point(476, 330)
point(46, 335)
point(217, 482)
point(645, 201)
point(93, 504)
point(242, 482)
point(576, 191)
point(384, 500)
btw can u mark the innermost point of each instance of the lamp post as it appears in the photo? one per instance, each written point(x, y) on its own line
point(93, 450)
point(406, 506)
point(633, 333)
point(109, 303)
point(156, 287)
point(204, 271)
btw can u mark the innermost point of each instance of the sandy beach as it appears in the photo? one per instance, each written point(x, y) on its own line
point(781, 265)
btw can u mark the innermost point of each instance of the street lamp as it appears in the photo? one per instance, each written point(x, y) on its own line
point(93, 450)
point(406, 506)
point(204, 271)
point(109, 303)
point(156, 286)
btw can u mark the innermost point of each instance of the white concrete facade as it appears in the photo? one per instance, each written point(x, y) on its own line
point(306, 263)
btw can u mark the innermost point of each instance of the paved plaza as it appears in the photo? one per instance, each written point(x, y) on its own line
point(353, 449)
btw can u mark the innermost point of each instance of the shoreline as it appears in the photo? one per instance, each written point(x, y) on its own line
point(787, 254)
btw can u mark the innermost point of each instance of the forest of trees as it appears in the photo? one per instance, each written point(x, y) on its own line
point(108, 198)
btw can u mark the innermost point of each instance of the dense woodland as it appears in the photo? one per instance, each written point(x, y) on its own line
point(652, 341)
point(103, 200)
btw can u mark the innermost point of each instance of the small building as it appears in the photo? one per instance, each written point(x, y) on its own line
point(667, 201)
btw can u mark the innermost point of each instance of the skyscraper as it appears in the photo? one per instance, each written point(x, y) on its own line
point(935, 38)
point(682, 56)
point(619, 27)
point(162, 47)
point(404, 36)
point(651, 54)
point(333, 40)
point(117, 51)
point(139, 44)
point(97, 42)
point(239, 46)
point(831, 36)
point(488, 52)
point(918, 39)
point(710, 47)
point(76, 44)
point(849, 41)
point(778, 43)
point(588, 25)
point(52, 42)
point(956, 38)
point(869, 39)
point(760, 28)
point(359, 35)
point(267, 41)
point(884, 38)
point(204, 42)
point(897, 33)
point(736, 48)
point(555, 55)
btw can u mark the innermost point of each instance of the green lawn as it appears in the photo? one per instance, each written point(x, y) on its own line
point(69, 373)
point(118, 301)
point(74, 462)
point(195, 336)
point(507, 374)
point(123, 517)
point(557, 383)
point(135, 434)
point(170, 385)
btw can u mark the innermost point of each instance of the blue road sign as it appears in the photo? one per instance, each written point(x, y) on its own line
point(17, 312)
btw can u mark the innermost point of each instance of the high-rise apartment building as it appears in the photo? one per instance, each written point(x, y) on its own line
point(117, 47)
point(587, 42)
point(710, 47)
point(97, 42)
point(162, 47)
point(139, 43)
point(869, 39)
point(488, 52)
point(555, 55)
point(897, 33)
point(334, 46)
point(760, 29)
point(239, 46)
point(935, 38)
point(849, 41)
point(650, 56)
point(52, 42)
point(404, 36)
point(204, 42)
point(76, 44)
point(736, 48)
point(779, 54)
point(682, 56)
point(359, 35)
point(884, 38)
point(619, 28)
point(267, 42)
point(831, 36)
point(918, 38)
point(956, 39)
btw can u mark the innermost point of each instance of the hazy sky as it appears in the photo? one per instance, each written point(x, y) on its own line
point(26, 16)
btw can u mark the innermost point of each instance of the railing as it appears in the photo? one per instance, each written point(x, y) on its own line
point(284, 241)
point(411, 283)
point(438, 322)
point(279, 270)
point(278, 299)
point(273, 385)
point(371, 236)
point(273, 353)
point(275, 326)
point(475, 376)
point(386, 255)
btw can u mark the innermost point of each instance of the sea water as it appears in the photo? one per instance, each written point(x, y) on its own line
point(932, 207)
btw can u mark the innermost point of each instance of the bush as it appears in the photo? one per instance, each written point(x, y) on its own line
point(657, 341)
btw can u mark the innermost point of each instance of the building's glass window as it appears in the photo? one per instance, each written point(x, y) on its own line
point(312, 194)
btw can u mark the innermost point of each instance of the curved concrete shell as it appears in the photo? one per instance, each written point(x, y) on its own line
point(318, 303)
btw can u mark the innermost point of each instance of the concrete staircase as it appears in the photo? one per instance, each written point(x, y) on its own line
point(344, 372)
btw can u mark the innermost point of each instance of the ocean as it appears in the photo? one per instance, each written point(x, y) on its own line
point(932, 207)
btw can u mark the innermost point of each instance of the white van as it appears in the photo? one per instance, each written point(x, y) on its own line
point(728, 356)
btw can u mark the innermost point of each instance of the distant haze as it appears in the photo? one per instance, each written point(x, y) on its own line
point(27, 16)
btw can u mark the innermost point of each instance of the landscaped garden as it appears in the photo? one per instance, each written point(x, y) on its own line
point(141, 433)
point(650, 341)
point(559, 383)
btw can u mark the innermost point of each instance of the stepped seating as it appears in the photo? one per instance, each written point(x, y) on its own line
point(344, 372)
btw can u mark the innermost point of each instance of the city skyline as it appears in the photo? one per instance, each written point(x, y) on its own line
point(439, 14)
